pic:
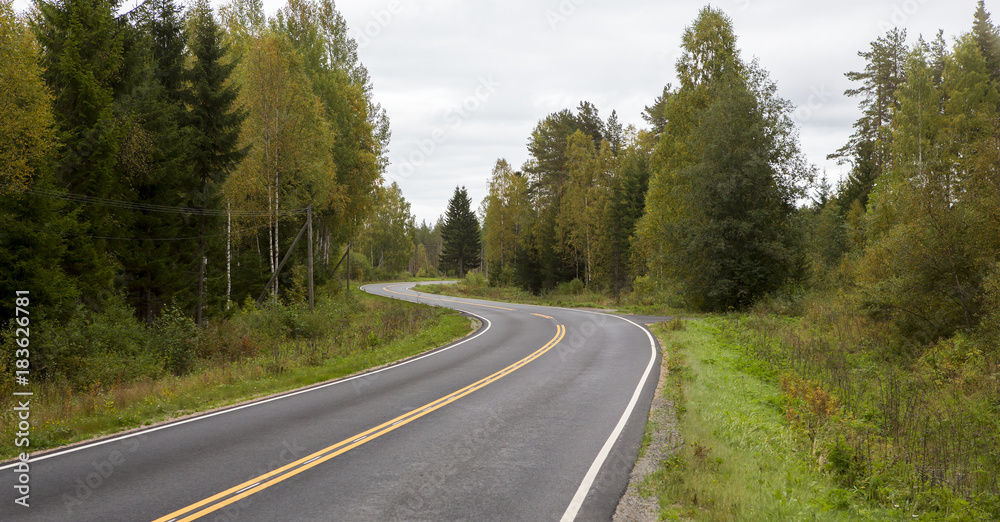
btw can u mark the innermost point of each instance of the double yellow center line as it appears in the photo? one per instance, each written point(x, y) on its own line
point(255, 485)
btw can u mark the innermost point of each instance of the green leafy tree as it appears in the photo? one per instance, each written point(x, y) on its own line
point(504, 217)
point(290, 164)
point(586, 199)
point(460, 235)
point(726, 172)
point(319, 34)
point(387, 234)
point(932, 230)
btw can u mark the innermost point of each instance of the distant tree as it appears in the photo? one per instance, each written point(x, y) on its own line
point(503, 221)
point(987, 38)
point(386, 236)
point(548, 175)
point(626, 204)
point(460, 234)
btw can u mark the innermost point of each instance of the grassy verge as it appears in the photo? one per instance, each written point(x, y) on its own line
point(740, 459)
point(366, 332)
point(566, 295)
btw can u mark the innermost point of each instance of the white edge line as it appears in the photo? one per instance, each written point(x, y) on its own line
point(588, 480)
point(251, 404)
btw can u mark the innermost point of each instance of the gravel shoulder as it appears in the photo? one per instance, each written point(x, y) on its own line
point(665, 440)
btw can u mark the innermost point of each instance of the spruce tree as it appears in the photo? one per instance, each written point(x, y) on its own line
point(155, 265)
point(215, 122)
point(32, 227)
point(988, 40)
point(82, 46)
point(460, 234)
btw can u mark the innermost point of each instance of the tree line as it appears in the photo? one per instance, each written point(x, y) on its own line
point(167, 155)
point(705, 206)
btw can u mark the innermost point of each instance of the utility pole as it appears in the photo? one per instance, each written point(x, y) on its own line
point(309, 250)
point(348, 294)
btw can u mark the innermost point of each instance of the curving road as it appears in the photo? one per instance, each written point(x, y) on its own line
point(536, 416)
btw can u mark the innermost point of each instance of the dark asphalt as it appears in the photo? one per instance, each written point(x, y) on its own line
point(546, 438)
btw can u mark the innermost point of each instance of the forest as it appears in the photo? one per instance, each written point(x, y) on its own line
point(874, 302)
point(156, 163)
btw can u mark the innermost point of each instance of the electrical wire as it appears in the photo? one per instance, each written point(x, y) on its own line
point(149, 207)
point(88, 236)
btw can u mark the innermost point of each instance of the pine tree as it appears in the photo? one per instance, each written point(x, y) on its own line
point(460, 234)
point(215, 122)
point(868, 148)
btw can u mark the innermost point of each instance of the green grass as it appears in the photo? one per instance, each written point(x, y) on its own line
point(578, 299)
point(740, 461)
point(375, 332)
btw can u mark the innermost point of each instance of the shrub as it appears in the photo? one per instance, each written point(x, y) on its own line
point(574, 287)
point(475, 280)
point(175, 337)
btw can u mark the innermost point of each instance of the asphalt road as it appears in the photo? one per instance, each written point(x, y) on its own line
point(536, 416)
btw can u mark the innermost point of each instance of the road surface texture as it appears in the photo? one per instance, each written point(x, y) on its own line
point(538, 415)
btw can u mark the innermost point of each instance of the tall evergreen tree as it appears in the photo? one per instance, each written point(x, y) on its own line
point(155, 272)
point(32, 227)
point(215, 122)
point(460, 234)
point(82, 46)
point(867, 150)
point(987, 38)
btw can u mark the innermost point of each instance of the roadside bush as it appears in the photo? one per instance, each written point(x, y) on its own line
point(574, 287)
point(92, 351)
point(175, 338)
point(475, 280)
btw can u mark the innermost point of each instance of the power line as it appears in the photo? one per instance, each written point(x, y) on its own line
point(149, 207)
point(88, 236)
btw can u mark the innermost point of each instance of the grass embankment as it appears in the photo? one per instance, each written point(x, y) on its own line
point(821, 418)
point(740, 459)
point(252, 354)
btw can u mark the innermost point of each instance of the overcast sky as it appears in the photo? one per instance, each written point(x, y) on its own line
point(464, 82)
